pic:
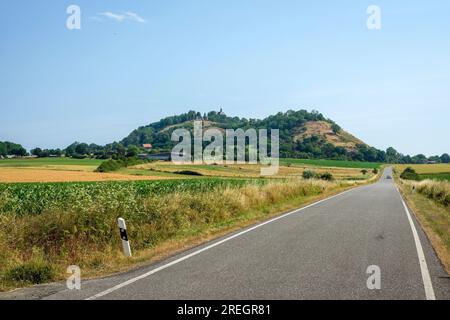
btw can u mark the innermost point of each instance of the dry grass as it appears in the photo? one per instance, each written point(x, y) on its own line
point(430, 201)
point(324, 129)
point(425, 168)
point(12, 175)
point(439, 191)
point(251, 170)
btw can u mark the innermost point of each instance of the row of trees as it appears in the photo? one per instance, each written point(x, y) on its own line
point(392, 156)
point(309, 148)
point(290, 125)
point(43, 153)
point(110, 151)
point(9, 148)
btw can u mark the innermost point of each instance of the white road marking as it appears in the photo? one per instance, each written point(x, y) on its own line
point(153, 271)
point(428, 285)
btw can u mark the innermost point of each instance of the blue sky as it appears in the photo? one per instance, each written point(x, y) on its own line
point(253, 58)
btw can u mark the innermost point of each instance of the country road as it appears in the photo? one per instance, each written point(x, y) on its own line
point(319, 252)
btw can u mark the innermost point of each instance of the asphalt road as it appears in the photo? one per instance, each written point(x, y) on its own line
point(319, 252)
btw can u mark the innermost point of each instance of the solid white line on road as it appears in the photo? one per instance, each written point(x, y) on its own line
point(428, 285)
point(145, 275)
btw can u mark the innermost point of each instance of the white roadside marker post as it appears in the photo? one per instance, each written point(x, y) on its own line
point(124, 237)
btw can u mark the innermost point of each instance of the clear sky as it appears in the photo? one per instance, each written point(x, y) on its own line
point(134, 62)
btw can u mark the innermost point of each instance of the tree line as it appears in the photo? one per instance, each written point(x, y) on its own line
point(289, 123)
point(13, 149)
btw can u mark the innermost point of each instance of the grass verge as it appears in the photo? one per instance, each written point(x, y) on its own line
point(431, 212)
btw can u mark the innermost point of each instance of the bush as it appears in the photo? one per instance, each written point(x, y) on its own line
point(189, 173)
point(364, 171)
point(31, 272)
point(114, 165)
point(309, 174)
point(327, 176)
point(79, 156)
point(375, 171)
point(110, 165)
point(410, 174)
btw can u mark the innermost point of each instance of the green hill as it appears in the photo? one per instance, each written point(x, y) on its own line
point(303, 134)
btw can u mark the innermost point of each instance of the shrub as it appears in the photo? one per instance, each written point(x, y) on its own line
point(327, 176)
point(79, 156)
point(375, 171)
point(34, 272)
point(189, 173)
point(110, 165)
point(410, 174)
point(364, 171)
point(309, 174)
point(114, 165)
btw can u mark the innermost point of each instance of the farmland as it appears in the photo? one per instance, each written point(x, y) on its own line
point(46, 162)
point(48, 226)
point(244, 171)
point(69, 216)
point(61, 170)
point(331, 163)
point(72, 170)
point(440, 171)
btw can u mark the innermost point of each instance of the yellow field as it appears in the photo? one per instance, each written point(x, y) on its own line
point(64, 171)
point(246, 170)
point(11, 175)
point(425, 168)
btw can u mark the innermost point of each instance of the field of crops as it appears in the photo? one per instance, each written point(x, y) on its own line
point(426, 168)
point(72, 170)
point(440, 171)
point(34, 198)
point(436, 176)
point(332, 163)
point(48, 226)
point(43, 162)
point(64, 170)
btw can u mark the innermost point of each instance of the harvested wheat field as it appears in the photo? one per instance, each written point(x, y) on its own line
point(11, 175)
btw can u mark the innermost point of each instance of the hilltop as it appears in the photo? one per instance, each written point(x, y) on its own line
point(303, 134)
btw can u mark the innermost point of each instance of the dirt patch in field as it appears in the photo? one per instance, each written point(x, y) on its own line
point(11, 175)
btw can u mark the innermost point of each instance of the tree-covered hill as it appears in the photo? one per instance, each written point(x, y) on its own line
point(303, 134)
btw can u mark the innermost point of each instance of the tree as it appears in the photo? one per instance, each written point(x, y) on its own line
point(308, 174)
point(132, 151)
point(435, 159)
point(364, 171)
point(2, 149)
point(120, 149)
point(420, 159)
point(392, 156)
point(36, 152)
point(409, 174)
point(445, 158)
point(82, 149)
point(336, 128)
